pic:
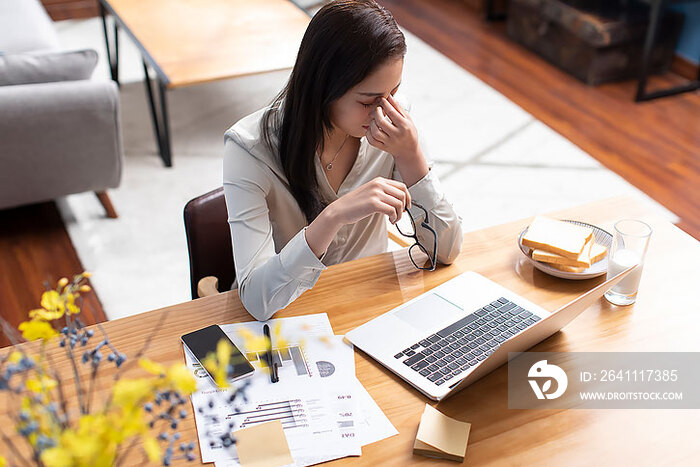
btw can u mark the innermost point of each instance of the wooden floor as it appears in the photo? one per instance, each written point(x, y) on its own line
point(35, 252)
point(654, 145)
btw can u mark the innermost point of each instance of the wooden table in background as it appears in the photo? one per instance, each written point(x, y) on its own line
point(665, 318)
point(189, 42)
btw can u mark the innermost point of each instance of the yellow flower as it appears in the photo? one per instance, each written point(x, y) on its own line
point(70, 304)
point(86, 274)
point(223, 352)
point(3, 462)
point(152, 367)
point(41, 384)
point(217, 363)
point(177, 376)
point(57, 457)
point(92, 444)
point(37, 329)
point(52, 301)
point(181, 378)
point(63, 282)
point(128, 422)
point(279, 341)
point(89, 450)
point(85, 288)
point(150, 445)
point(46, 315)
point(132, 392)
point(253, 342)
point(15, 357)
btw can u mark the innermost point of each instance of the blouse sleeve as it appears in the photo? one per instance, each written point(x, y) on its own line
point(441, 216)
point(267, 281)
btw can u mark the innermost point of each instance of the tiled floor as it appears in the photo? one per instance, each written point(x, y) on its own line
point(497, 163)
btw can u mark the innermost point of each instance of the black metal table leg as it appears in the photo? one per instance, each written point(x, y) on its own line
point(491, 13)
point(111, 46)
point(165, 127)
point(115, 76)
point(152, 106)
point(656, 10)
point(159, 119)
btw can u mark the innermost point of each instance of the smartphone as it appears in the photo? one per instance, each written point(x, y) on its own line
point(203, 342)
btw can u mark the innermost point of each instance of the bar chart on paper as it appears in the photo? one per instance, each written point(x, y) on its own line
point(318, 422)
point(290, 360)
point(292, 414)
point(317, 400)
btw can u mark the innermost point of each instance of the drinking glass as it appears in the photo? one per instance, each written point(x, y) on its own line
point(629, 246)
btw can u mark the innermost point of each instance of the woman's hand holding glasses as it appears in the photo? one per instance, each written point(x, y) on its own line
point(380, 195)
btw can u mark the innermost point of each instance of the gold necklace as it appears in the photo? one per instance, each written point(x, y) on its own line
point(329, 166)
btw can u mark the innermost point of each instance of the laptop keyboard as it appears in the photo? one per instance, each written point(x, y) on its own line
point(465, 343)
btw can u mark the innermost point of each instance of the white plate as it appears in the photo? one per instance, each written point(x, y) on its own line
point(597, 269)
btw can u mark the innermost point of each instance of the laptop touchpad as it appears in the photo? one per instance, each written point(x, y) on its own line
point(429, 310)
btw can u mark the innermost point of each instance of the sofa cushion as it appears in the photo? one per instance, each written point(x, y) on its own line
point(25, 26)
point(57, 139)
point(47, 67)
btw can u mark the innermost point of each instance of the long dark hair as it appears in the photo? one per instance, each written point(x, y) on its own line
point(344, 43)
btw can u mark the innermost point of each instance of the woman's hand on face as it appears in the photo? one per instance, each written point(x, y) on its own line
point(392, 130)
point(379, 195)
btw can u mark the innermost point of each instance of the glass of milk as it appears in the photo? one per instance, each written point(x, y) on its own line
point(629, 245)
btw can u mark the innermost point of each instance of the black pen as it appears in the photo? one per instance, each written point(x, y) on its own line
point(270, 361)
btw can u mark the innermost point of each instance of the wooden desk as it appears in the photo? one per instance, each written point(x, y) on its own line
point(663, 319)
point(189, 42)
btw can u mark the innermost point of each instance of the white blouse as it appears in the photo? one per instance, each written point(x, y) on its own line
point(274, 264)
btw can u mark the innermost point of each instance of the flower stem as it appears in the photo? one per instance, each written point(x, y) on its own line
point(91, 389)
point(76, 375)
point(122, 456)
point(138, 355)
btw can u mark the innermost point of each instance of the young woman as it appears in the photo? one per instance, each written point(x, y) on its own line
point(310, 180)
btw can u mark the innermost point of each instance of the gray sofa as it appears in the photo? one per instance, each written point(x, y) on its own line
point(59, 130)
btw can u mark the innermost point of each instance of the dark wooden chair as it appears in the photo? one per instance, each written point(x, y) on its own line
point(209, 244)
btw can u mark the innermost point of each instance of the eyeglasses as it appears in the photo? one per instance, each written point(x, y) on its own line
point(409, 230)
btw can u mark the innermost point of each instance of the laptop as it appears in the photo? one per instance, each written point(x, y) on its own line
point(447, 338)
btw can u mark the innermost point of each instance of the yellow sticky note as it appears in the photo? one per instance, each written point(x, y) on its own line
point(263, 445)
point(441, 436)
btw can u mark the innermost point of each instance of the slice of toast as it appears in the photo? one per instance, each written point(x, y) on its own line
point(598, 252)
point(583, 260)
point(554, 236)
point(564, 267)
